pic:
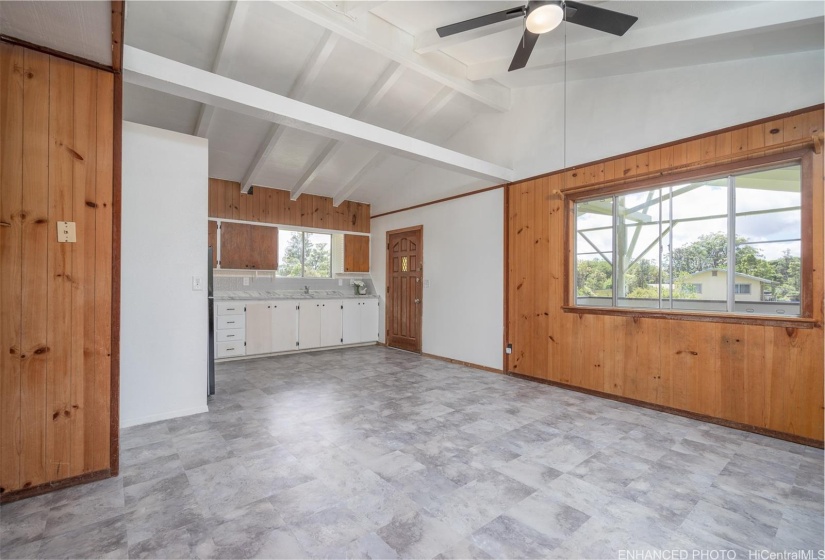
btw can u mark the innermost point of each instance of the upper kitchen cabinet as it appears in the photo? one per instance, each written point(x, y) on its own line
point(356, 253)
point(246, 246)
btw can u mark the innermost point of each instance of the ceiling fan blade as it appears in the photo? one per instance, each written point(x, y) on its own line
point(525, 47)
point(481, 21)
point(599, 18)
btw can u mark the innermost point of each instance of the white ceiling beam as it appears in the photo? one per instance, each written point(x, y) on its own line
point(377, 92)
point(306, 78)
point(169, 76)
point(223, 58)
point(429, 41)
point(745, 20)
point(430, 110)
point(372, 32)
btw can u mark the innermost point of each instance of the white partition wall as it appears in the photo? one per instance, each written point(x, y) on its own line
point(163, 320)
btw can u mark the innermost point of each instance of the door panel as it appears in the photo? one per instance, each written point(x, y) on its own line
point(331, 323)
point(245, 246)
point(309, 330)
point(284, 326)
point(258, 328)
point(369, 320)
point(352, 321)
point(404, 301)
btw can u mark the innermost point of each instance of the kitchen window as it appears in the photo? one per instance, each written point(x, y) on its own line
point(671, 247)
point(303, 254)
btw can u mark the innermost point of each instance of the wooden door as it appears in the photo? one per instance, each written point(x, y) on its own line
point(258, 327)
point(246, 246)
point(404, 272)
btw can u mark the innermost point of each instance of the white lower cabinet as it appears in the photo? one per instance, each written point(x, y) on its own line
point(284, 326)
point(258, 327)
point(331, 326)
point(229, 329)
point(360, 321)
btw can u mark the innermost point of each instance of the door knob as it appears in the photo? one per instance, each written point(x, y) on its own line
point(417, 301)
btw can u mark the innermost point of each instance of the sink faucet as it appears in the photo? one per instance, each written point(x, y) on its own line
point(306, 290)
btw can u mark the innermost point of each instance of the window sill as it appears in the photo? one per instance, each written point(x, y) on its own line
point(766, 321)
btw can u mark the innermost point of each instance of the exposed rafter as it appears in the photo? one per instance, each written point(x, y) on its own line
point(223, 58)
point(372, 32)
point(312, 68)
point(168, 76)
point(430, 110)
point(379, 90)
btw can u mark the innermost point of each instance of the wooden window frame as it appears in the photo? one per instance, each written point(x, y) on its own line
point(802, 157)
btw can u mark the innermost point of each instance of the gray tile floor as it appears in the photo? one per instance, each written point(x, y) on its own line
point(377, 453)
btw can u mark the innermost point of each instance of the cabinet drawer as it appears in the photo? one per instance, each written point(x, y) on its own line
point(230, 322)
point(230, 335)
point(230, 307)
point(227, 349)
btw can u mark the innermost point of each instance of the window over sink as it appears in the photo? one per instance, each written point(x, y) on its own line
point(303, 254)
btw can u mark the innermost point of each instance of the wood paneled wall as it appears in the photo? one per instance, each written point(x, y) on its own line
point(766, 377)
point(56, 164)
point(273, 206)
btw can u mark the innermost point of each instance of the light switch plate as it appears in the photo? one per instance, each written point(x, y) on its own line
point(66, 232)
point(197, 283)
point(246, 280)
point(426, 283)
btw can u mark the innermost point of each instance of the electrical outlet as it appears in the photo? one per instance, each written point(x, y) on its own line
point(427, 283)
point(509, 349)
point(246, 280)
point(197, 283)
point(340, 281)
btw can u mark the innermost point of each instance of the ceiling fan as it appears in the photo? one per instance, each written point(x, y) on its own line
point(541, 16)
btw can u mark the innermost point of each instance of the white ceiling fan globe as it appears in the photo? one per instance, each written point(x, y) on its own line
point(544, 18)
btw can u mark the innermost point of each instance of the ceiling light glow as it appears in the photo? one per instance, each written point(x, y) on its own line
point(544, 18)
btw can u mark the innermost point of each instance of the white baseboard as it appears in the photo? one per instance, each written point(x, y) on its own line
point(128, 423)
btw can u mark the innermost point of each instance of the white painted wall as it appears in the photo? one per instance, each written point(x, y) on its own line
point(613, 115)
point(463, 255)
point(163, 321)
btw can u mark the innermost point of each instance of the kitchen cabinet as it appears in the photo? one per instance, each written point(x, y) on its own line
point(360, 321)
point(356, 253)
point(331, 325)
point(212, 240)
point(284, 320)
point(258, 327)
point(309, 325)
point(246, 246)
point(230, 331)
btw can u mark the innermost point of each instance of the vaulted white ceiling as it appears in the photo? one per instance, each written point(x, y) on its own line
point(383, 64)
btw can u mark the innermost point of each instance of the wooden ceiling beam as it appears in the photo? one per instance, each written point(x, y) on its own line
point(377, 35)
point(425, 115)
point(230, 40)
point(312, 68)
point(377, 92)
point(169, 76)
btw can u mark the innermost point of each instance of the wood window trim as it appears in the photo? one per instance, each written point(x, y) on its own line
point(803, 157)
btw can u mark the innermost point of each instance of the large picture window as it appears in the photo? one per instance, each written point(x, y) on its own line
point(730, 244)
point(304, 254)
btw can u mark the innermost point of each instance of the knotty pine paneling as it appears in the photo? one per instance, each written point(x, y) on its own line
point(56, 145)
point(273, 206)
point(767, 377)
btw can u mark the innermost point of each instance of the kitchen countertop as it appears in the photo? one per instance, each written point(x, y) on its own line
point(289, 294)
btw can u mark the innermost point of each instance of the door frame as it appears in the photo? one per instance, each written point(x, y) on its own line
point(420, 229)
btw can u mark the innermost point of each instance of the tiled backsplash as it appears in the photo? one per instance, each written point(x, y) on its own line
point(233, 282)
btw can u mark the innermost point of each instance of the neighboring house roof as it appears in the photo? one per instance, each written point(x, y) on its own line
point(738, 274)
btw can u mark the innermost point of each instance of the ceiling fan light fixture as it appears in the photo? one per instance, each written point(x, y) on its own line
point(545, 18)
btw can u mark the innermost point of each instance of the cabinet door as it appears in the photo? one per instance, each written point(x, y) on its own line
point(352, 321)
point(356, 253)
point(258, 328)
point(245, 246)
point(369, 320)
point(331, 323)
point(309, 330)
point(284, 326)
